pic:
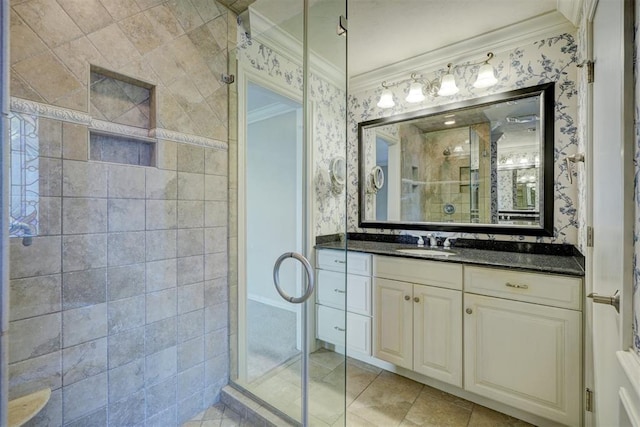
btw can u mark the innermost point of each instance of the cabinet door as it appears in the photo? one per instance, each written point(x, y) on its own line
point(524, 355)
point(437, 331)
point(393, 322)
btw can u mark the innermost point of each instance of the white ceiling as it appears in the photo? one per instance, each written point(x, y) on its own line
point(384, 32)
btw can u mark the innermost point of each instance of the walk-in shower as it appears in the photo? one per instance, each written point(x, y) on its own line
point(291, 103)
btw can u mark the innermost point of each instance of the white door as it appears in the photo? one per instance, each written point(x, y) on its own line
point(612, 200)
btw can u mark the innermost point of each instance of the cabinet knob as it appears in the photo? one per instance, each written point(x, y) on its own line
point(416, 299)
point(407, 297)
point(469, 311)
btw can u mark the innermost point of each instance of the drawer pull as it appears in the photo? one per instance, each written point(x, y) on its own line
point(340, 291)
point(407, 297)
point(339, 329)
point(416, 299)
point(516, 285)
point(339, 262)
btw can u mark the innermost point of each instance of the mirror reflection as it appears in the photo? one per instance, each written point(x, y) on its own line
point(479, 162)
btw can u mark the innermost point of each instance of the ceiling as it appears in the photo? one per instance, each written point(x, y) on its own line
point(384, 32)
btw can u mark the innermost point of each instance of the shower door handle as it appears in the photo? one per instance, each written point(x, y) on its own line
point(309, 270)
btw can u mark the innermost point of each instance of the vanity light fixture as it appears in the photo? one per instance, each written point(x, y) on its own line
point(386, 98)
point(415, 93)
point(486, 74)
point(448, 83)
point(445, 86)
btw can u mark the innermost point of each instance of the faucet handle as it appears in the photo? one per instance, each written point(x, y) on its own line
point(447, 243)
point(433, 240)
point(420, 240)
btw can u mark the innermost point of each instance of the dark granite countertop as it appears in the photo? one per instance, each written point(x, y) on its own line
point(566, 264)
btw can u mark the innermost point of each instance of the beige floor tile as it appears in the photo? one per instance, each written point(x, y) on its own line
point(447, 397)
point(325, 403)
point(358, 379)
point(485, 417)
point(432, 411)
point(382, 415)
point(388, 389)
point(328, 358)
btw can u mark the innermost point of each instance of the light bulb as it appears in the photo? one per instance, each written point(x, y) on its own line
point(486, 76)
point(448, 86)
point(415, 93)
point(386, 99)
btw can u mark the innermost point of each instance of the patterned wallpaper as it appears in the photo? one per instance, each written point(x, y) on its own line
point(550, 59)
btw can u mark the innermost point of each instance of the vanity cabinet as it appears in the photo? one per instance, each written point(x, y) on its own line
point(418, 320)
point(333, 294)
point(523, 340)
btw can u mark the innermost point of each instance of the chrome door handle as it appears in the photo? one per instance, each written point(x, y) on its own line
point(308, 269)
point(613, 300)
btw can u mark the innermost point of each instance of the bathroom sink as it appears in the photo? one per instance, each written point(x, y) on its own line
point(420, 251)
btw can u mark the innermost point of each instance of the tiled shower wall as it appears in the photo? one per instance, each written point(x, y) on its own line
point(120, 305)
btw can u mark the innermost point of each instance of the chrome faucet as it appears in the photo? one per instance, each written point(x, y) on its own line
point(433, 241)
point(28, 231)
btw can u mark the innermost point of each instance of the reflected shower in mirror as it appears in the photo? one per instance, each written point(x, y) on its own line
point(477, 164)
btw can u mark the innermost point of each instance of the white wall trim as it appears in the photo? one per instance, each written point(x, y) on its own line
point(25, 106)
point(268, 112)
point(270, 34)
point(473, 49)
point(571, 10)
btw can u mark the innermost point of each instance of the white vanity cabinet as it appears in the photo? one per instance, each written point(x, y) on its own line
point(332, 293)
point(417, 312)
point(523, 341)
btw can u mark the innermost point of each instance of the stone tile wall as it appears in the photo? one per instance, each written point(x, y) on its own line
point(120, 305)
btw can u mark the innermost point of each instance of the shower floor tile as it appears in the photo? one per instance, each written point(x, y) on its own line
point(374, 398)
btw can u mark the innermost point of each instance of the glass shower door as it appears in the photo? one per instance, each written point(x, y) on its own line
point(291, 104)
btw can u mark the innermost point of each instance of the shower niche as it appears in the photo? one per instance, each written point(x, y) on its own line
point(123, 109)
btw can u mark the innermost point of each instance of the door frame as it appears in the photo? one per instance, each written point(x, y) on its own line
point(245, 74)
point(628, 359)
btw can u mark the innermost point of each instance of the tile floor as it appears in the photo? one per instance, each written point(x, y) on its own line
point(374, 397)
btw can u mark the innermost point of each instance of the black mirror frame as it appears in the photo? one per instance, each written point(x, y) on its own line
point(546, 228)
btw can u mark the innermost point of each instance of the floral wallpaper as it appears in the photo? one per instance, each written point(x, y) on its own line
point(550, 59)
point(328, 114)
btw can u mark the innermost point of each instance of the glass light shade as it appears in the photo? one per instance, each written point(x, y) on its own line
point(415, 93)
point(448, 86)
point(386, 99)
point(486, 76)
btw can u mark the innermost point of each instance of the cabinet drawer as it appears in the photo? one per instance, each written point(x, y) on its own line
point(330, 325)
point(434, 273)
point(331, 328)
point(556, 291)
point(356, 262)
point(331, 291)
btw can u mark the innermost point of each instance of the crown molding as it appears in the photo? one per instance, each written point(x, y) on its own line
point(571, 9)
point(25, 106)
point(500, 40)
point(265, 31)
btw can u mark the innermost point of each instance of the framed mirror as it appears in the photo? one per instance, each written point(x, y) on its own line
point(479, 166)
